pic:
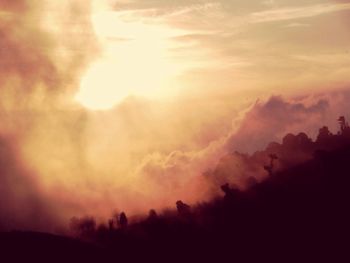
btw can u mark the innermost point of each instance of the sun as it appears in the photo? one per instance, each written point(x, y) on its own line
point(135, 61)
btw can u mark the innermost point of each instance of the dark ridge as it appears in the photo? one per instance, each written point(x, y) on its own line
point(18, 246)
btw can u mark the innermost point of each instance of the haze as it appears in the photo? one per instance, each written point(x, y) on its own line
point(123, 105)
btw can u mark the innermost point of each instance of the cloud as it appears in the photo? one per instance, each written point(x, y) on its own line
point(221, 33)
point(196, 175)
point(143, 154)
point(293, 25)
point(179, 174)
point(22, 204)
point(42, 51)
point(19, 5)
point(291, 13)
point(23, 67)
point(42, 55)
point(271, 120)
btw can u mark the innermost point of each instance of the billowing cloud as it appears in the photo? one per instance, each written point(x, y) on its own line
point(63, 160)
point(197, 175)
point(41, 54)
point(35, 80)
point(270, 121)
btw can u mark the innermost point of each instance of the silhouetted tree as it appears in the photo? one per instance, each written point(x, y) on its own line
point(152, 215)
point(84, 227)
point(269, 167)
point(344, 127)
point(323, 134)
point(230, 192)
point(343, 124)
point(304, 142)
point(111, 224)
point(182, 208)
point(290, 140)
point(102, 231)
point(122, 220)
point(306, 204)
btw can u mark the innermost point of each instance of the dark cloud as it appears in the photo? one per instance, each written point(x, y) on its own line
point(25, 67)
point(41, 59)
point(21, 203)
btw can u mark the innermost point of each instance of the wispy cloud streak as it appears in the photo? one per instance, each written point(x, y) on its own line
point(296, 12)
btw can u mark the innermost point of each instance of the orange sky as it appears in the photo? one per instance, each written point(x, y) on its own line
point(220, 47)
point(124, 104)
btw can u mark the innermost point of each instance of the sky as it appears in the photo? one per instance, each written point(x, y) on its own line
point(197, 46)
point(110, 106)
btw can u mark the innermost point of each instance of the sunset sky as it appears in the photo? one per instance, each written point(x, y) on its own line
point(167, 48)
point(123, 105)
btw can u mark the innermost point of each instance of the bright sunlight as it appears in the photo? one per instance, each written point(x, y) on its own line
point(135, 61)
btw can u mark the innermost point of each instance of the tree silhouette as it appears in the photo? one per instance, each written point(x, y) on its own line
point(83, 227)
point(269, 167)
point(111, 224)
point(152, 215)
point(323, 134)
point(300, 204)
point(344, 126)
point(230, 192)
point(122, 220)
point(182, 208)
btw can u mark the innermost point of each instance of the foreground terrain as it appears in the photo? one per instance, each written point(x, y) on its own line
point(300, 214)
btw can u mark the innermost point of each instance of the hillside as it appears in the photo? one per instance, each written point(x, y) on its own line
point(296, 214)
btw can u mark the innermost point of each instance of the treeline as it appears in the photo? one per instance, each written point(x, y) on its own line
point(299, 212)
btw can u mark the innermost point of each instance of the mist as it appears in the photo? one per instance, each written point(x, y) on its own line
point(59, 159)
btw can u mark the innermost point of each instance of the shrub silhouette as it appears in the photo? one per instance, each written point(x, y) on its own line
point(182, 208)
point(122, 220)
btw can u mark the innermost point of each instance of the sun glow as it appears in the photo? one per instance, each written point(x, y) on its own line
point(135, 60)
